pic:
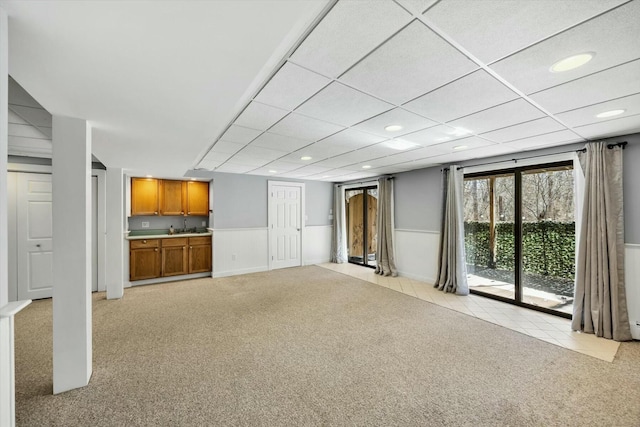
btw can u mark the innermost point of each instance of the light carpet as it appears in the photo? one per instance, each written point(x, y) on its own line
point(309, 346)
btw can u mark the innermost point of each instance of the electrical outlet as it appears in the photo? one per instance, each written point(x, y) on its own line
point(204, 223)
point(145, 224)
point(233, 257)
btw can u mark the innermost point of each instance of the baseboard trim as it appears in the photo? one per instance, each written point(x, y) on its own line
point(317, 261)
point(418, 277)
point(241, 271)
point(167, 279)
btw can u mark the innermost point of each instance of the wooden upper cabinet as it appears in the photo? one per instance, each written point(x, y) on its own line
point(144, 196)
point(197, 198)
point(172, 197)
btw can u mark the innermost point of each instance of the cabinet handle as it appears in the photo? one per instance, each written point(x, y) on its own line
point(182, 213)
point(144, 241)
point(156, 249)
point(188, 213)
point(190, 247)
point(155, 213)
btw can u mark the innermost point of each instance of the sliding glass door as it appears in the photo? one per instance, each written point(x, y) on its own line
point(520, 236)
point(362, 212)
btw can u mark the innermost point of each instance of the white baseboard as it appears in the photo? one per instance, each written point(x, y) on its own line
point(317, 261)
point(418, 277)
point(240, 271)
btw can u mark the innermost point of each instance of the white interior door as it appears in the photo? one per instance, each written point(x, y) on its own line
point(34, 237)
point(285, 216)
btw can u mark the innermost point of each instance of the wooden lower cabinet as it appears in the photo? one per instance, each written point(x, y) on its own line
point(153, 258)
point(175, 257)
point(144, 259)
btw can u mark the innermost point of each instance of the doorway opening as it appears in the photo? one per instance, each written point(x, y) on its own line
point(520, 236)
point(362, 231)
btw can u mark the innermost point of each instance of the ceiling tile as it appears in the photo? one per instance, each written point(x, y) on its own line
point(296, 157)
point(435, 135)
point(587, 115)
point(264, 171)
point(26, 131)
point(524, 130)
point(472, 93)
point(340, 104)
point(311, 170)
point(291, 86)
point(226, 147)
point(470, 143)
point(492, 29)
point(215, 159)
point(529, 70)
point(323, 150)
point(240, 159)
point(35, 116)
point(622, 126)
point(281, 166)
point(349, 31)
point(279, 142)
point(260, 153)
point(410, 122)
point(234, 168)
point(504, 115)
point(14, 118)
point(260, 116)
point(613, 83)
point(240, 134)
point(352, 138)
point(302, 127)
point(416, 6)
point(399, 70)
point(554, 138)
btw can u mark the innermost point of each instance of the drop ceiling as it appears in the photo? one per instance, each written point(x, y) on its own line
point(252, 87)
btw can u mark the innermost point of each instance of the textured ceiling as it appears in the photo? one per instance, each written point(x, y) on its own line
point(463, 79)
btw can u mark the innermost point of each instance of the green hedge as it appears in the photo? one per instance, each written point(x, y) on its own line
point(548, 247)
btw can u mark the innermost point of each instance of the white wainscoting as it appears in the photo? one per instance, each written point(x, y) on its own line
point(317, 244)
point(240, 251)
point(632, 283)
point(417, 254)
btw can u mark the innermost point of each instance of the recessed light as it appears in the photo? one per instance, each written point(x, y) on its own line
point(393, 128)
point(398, 144)
point(305, 158)
point(610, 113)
point(572, 62)
point(273, 171)
point(149, 176)
point(366, 167)
point(460, 147)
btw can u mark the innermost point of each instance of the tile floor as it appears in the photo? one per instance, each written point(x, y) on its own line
point(552, 329)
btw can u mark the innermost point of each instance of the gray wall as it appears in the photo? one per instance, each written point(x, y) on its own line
point(240, 201)
point(418, 199)
point(418, 193)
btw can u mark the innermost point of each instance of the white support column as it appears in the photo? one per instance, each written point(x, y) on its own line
point(72, 334)
point(115, 229)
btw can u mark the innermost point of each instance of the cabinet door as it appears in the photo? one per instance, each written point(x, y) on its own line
point(197, 198)
point(144, 264)
point(171, 197)
point(144, 196)
point(199, 258)
point(174, 260)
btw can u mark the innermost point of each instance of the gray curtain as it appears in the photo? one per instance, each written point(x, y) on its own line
point(385, 253)
point(452, 268)
point(600, 305)
point(338, 242)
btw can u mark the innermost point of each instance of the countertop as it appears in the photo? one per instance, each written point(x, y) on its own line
point(163, 234)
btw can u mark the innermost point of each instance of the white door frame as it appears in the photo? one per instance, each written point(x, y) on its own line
point(270, 219)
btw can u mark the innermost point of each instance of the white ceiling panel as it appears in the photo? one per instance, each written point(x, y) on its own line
point(244, 160)
point(291, 86)
point(399, 71)
point(410, 122)
point(623, 126)
point(469, 143)
point(240, 134)
point(260, 153)
point(342, 160)
point(281, 166)
point(14, 118)
point(352, 138)
point(472, 93)
point(26, 131)
point(343, 105)
point(524, 130)
point(312, 170)
point(435, 135)
point(302, 127)
point(35, 116)
point(416, 6)
point(587, 115)
point(555, 138)
point(234, 168)
point(504, 115)
point(529, 70)
point(265, 171)
point(279, 142)
point(227, 147)
point(613, 83)
point(349, 31)
point(216, 158)
point(296, 157)
point(260, 116)
point(323, 150)
point(492, 29)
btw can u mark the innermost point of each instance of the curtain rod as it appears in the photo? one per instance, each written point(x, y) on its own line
point(364, 182)
point(582, 150)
